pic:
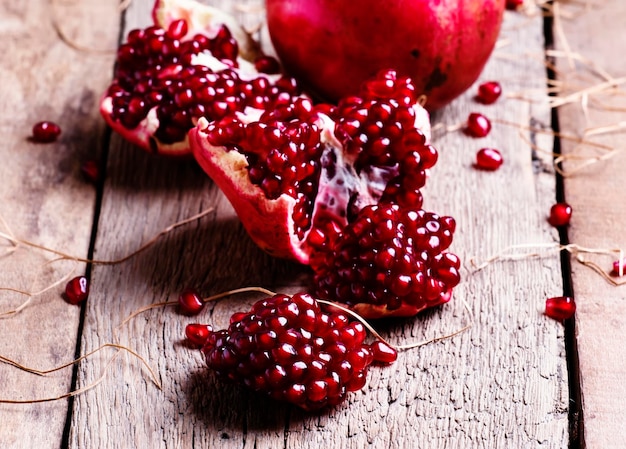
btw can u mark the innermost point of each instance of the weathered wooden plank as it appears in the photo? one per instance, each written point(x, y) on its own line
point(502, 383)
point(596, 195)
point(43, 197)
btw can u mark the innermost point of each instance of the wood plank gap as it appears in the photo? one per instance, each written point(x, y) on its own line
point(576, 427)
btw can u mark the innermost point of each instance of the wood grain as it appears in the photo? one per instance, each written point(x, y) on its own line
point(43, 197)
point(500, 384)
point(596, 195)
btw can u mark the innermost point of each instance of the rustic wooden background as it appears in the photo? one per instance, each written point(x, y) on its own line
point(502, 383)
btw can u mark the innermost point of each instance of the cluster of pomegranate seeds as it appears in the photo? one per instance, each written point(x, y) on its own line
point(560, 214)
point(478, 125)
point(560, 307)
point(391, 258)
point(164, 71)
point(197, 334)
point(489, 92)
point(190, 303)
point(289, 348)
point(45, 132)
point(77, 290)
point(488, 159)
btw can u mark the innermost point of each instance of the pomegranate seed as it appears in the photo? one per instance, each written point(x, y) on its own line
point(77, 290)
point(616, 267)
point(197, 334)
point(477, 125)
point(46, 132)
point(489, 92)
point(488, 159)
point(514, 4)
point(90, 171)
point(560, 307)
point(190, 303)
point(267, 64)
point(560, 214)
point(383, 353)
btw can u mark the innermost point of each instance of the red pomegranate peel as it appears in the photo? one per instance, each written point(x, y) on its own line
point(81, 390)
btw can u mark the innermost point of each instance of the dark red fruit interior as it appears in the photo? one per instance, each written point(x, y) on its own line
point(289, 348)
point(46, 132)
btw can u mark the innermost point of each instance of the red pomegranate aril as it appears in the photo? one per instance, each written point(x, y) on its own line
point(90, 171)
point(560, 307)
point(267, 64)
point(77, 290)
point(560, 214)
point(489, 92)
point(177, 29)
point(478, 125)
point(46, 132)
point(197, 334)
point(514, 4)
point(383, 353)
point(619, 267)
point(488, 159)
point(190, 303)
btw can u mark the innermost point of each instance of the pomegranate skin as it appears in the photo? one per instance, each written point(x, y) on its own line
point(333, 45)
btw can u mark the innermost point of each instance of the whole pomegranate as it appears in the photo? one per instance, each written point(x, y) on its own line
point(333, 45)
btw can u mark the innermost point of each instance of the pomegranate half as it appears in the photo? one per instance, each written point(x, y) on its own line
point(334, 45)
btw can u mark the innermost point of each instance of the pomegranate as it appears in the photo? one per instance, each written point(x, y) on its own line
point(185, 67)
point(560, 214)
point(45, 132)
point(560, 307)
point(489, 92)
point(298, 174)
point(333, 45)
point(77, 290)
point(290, 349)
point(488, 159)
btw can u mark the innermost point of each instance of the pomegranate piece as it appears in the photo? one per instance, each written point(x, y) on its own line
point(166, 78)
point(299, 173)
point(391, 261)
point(560, 308)
point(383, 353)
point(45, 132)
point(560, 214)
point(77, 290)
point(290, 349)
point(190, 303)
point(514, 4)
point(197, 334)
point(334, 45)
point(478, 125)
point(619, 267)
point(489, 92)
point(90, 171)
point(488, 159)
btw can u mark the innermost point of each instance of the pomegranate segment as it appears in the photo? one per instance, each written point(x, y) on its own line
point(290, 349)
point(299, 173)
point(166, 78)
point(391, 261)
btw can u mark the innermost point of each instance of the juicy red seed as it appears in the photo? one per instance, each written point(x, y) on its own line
point(488, 159)
point(77, 290)
point(560, 214)
point(90, 171)
point(514, 4)
point(383, 353)
point(46, 132)
point(560, 308)
point(477, 125)
point(267, 64)
point(197, 334)
point(177, 29)
point(616, 267)
point(489, 92)
point(190, 303)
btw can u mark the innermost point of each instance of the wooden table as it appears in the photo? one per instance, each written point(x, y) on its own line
point(515, 379)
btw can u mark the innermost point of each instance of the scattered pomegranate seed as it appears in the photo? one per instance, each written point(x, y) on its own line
point(488, 159)
point(489, 92)
point(514, 4)
point(560, 214)
point(190, 302)
point(477, 125)
point(46, 132)
point(383, 353)
point(616, 267)
point(197, 334)
point(560, 307)
point(77, 290)
point(267, 64)
point(90, 171)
